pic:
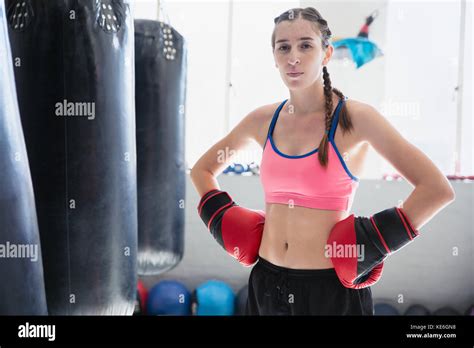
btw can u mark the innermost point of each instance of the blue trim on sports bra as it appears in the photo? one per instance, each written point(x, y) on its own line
point(332, 132)
point(343, 162)
point(331, 139)
point(335, 121)
point(273, 123)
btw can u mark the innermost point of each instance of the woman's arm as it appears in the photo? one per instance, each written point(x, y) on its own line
point(432, 189)
point(217, 158)
point(238, 230)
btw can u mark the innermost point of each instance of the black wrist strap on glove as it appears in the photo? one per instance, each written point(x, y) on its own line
point(212, 203)
point(393, 230)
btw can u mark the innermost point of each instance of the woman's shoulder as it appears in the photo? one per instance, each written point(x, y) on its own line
point(262, 115)
point(361, 114)
point(355, 106)
point(259, 120)
point(359, 110)
point(267, 110)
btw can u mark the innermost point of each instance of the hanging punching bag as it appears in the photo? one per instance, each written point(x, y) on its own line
point(74, 69)
point(21, 267)
point(160, 66)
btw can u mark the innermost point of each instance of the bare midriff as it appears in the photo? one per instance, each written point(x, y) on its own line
point(295, 237)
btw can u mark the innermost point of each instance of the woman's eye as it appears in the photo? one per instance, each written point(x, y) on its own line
point(285, 48)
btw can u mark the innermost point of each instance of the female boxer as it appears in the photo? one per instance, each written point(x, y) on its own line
point(312, 257)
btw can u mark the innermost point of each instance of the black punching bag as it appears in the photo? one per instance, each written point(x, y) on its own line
point(74, 69)
point(21, 266)
point(160, 66)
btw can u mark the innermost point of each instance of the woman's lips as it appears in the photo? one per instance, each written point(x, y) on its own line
point(294, 74)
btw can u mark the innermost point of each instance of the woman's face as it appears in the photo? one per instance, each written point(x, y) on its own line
point(298, 48)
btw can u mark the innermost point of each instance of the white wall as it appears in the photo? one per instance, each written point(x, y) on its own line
point(421, 71)
point(145, 9)
point(467, 148)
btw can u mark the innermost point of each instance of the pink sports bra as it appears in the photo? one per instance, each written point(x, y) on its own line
point(301, 180)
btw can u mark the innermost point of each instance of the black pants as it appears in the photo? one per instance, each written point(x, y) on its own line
point(275, 290)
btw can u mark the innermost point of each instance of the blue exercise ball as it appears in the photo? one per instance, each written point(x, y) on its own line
point(169, 297)
point(214, 297)
point(417, 309)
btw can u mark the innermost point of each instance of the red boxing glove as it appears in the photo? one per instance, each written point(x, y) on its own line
point(358, 246)
point(238, 230)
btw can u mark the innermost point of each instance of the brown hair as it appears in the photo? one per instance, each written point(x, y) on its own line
point(312, 15)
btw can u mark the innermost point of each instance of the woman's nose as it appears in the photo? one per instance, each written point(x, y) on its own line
point(293, 60)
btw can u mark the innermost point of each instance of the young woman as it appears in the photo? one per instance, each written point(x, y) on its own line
point(314, 147)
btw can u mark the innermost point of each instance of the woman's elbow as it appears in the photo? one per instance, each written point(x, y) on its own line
point(196, 172)
point(450, 194)
point(192, 171)
point(443, 190)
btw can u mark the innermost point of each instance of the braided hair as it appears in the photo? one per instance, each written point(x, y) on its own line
point(320, 24)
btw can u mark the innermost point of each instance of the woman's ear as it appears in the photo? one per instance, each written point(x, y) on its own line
point(328, 55)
